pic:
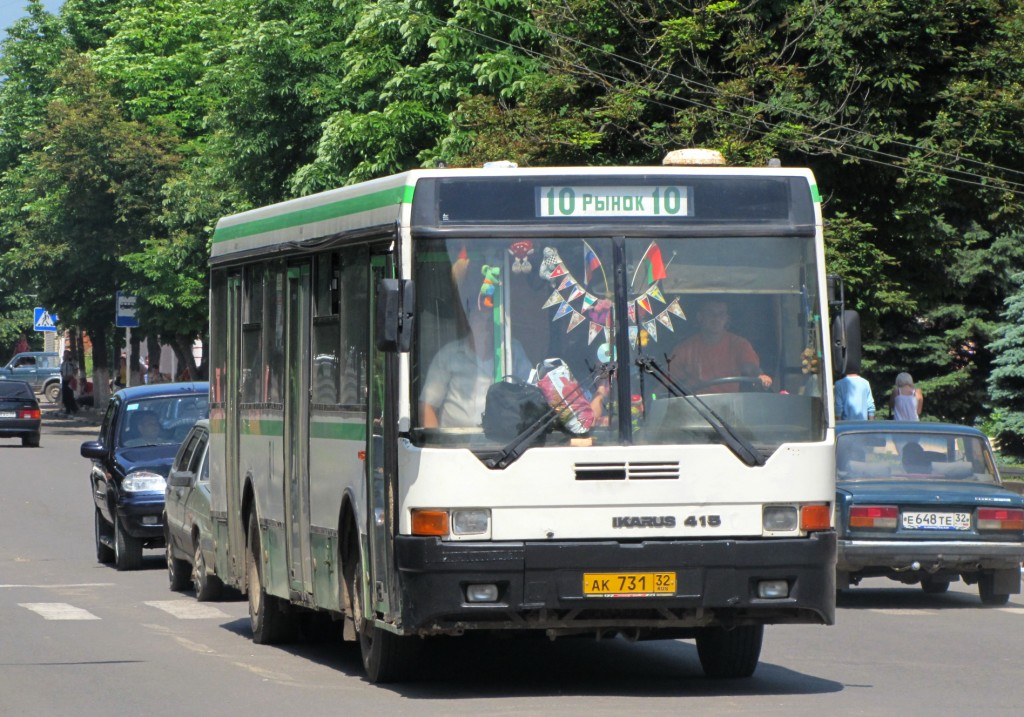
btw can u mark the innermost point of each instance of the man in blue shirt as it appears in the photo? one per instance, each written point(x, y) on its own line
point(853, 399)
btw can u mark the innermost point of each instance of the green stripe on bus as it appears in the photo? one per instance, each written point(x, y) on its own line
point(815, 195)
point(333, 210)
point(343, 431)
point(262, 426)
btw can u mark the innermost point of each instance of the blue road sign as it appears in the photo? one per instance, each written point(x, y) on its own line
point(125, 315)
point(44, 320)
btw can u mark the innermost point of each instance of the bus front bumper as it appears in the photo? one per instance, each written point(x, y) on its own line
point(540, 585)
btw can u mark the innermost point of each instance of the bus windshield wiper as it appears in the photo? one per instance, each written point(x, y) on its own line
point(518, 445)
point(740, 446)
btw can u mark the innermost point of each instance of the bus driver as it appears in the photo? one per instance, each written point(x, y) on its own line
point(714, 353)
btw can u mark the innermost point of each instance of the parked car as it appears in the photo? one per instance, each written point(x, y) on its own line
point(922, 503)
point(39, 369)
point(19, 412)
point(188, 530)
point(138, 439)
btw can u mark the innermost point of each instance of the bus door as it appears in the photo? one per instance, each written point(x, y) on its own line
point(232, 483)
point(296, 431)
point(381, 469)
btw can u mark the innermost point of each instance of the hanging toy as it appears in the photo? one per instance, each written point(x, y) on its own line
point(520, 252)
point(460, 267)
point(549, 263)
point(492, 279)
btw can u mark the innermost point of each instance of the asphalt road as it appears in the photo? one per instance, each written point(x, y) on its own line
point(79, 638)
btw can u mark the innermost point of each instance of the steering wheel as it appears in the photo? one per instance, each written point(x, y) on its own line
point(753, 380)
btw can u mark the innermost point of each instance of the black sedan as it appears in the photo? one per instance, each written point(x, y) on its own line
point(19, 413)
point(141, 431)
point(922, 503)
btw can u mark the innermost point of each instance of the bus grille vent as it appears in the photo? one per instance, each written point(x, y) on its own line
point(627, 471)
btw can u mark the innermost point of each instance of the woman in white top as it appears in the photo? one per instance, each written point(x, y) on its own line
point(906, 401)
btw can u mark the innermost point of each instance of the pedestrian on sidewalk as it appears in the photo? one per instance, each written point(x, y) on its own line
point(68, 369)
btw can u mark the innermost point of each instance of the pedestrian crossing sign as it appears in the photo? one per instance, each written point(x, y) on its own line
point(44, 320)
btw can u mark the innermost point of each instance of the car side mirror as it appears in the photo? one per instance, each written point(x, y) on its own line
point(180, 478)
point(93, 449)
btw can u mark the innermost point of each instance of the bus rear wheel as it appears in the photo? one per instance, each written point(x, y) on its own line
point(387, 657)
point(268, 615)
point(730, 654)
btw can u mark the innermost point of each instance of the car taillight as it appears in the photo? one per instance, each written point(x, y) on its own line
point(28, 413)
point(874, 516)
point(1000, 519)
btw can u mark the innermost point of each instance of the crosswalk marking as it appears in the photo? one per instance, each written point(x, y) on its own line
point(58, 611)
point(188, 609)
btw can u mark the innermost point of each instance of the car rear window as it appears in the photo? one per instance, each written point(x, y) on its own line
point(15, 389)
point(902, 455)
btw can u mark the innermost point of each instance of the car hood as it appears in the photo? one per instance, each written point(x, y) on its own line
point(940, 491)
point(157, 459)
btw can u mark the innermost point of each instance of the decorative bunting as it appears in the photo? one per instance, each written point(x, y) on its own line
point(632, 313)
point(655, 292)
point(634, 334)
point(665, 319)
point(576, 320)
point(555, 298)
point(588, 301)
point(644, 303)
point(558, 271)
point(675, 308)
point(652, 329)
point(576, 293)
point(563, 310)
point(593, 331)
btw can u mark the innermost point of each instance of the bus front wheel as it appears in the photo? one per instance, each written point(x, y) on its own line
point(730, 654)
point(387, 657)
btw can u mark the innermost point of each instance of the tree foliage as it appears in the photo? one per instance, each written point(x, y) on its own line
point(910, 114)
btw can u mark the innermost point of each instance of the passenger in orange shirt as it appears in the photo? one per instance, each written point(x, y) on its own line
point(714, 353)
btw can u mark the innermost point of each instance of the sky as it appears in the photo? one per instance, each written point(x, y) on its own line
point(11, 10)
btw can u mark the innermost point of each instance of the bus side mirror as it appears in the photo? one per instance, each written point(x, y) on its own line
point(394, 323)
point(846, 343)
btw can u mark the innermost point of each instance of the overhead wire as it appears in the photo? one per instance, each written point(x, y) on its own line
point(844, 148)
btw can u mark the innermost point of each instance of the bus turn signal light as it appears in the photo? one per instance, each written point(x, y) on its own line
point(815, 517)
point(430, 522)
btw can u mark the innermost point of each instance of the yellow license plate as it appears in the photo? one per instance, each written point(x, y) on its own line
point(628, 584)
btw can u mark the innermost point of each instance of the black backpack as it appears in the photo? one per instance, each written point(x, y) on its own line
point(511, 407)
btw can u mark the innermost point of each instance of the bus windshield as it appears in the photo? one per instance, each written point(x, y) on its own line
point(734, 321)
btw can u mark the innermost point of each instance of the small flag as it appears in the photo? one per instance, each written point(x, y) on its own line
point(655, 265)
point(591, 262)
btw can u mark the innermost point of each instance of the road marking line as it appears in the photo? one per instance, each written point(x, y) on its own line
point(903, 611)
point(58, 611)
point(59, 586)
point(188, 609)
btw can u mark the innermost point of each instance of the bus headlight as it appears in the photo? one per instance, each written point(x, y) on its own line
point(779, 518)
point(476, 521)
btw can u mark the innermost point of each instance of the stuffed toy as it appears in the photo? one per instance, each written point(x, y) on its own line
point(492, 280)
point(520, 252)
point(549, 263)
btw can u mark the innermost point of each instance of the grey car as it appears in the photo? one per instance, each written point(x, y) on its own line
point(188, 530)
point(39, 369)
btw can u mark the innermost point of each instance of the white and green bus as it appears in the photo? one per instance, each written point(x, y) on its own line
point(383, 458)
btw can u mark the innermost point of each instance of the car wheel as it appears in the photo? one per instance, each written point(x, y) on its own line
point(269, 616)
point(986, 589)
point(30, 441)
point(52, 392)
point(387, 657)
point(104, 553)
point(127, 549)
point(934, 587)
point(179, 572)
point(728, 654)
point(208, 587)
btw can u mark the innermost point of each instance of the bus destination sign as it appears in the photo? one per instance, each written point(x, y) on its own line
point(625, 201)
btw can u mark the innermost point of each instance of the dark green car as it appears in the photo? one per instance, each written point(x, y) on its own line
point(922, 503)
point(39, 369)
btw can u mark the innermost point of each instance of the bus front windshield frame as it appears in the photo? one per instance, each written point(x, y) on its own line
point(733, 320)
